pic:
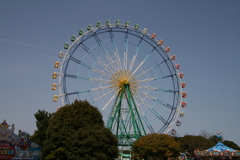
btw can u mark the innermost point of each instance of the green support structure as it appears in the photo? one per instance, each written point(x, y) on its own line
point(124, 121)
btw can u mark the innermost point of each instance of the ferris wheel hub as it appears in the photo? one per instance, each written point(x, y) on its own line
point(122, 78)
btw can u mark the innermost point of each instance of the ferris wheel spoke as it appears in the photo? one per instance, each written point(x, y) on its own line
point(100, 88)
point(149, 54)
point(88, 51)
point(148, 87)
point(142, 101)
point(90, 67)
point(151, 79)
point(149, 109)
point(142, 113)
point(106, 54)
point(83, 91)
point(119, 65)
point(105, 66)
point(126, 42)
point(125, 51)
point(135, 55)
point(167, 90)
point(156, 100)
point(156, 89)
point(111, 99)
point(162, 77)
point(71, 93)
point(148, 70)
point(87, 78)
point(158, 116)
point(104, 95)
point(75, 76)
point(146, 80)
point(125, 60)
point(111, 62)
point(99, 80)
point(150, 127)
point(89, 90)
point(118, 62)
point(132, 62)
point(113, 40)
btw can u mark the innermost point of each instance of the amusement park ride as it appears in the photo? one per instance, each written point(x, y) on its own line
point(127, 74)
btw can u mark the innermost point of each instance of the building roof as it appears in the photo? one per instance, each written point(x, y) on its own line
point(221, 147)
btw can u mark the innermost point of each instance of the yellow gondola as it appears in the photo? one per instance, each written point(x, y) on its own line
point(54, 75)
point(55, 98)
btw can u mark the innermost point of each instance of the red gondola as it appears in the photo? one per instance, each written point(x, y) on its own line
point(181, 75)
point(153, 36)
point(184, 104)
point(167, 49)
point(183, 84)
point(184, 94)
point(173, 57)
point(160, 42)
point(177, 66)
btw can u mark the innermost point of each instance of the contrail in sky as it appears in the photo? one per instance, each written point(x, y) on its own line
point(26, 44)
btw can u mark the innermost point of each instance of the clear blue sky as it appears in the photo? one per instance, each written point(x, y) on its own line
point(204, 35)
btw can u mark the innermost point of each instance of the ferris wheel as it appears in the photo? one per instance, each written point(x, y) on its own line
point(127, 74)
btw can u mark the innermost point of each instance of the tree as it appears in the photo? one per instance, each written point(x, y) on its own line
point(155, 146)
point(231, 144)
point(77, 131)
point(206, 134)
point(214, 139)
point(42, 122)
point(189, 143)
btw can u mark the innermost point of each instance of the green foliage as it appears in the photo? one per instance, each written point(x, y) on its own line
point(214, 139)
point(189, 143)
point(155, 146)
point(77, 132)
point(231, 144)
point(58, 154)
point(42, 122)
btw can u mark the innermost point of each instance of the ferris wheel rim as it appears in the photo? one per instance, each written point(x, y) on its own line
point(92, 32)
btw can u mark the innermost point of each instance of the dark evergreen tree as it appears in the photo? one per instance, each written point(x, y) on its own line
point(77, 132)
point(42, 123)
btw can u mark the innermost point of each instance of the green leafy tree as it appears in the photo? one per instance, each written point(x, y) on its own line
point(231, 144)
point(214, 139)
point(155, 146)
point(42, 123)
point(189, 143)
point(77, 132)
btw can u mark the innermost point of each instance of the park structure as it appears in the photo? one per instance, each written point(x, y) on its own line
point(218, 152)
point(17, 146)
point(125, 72)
